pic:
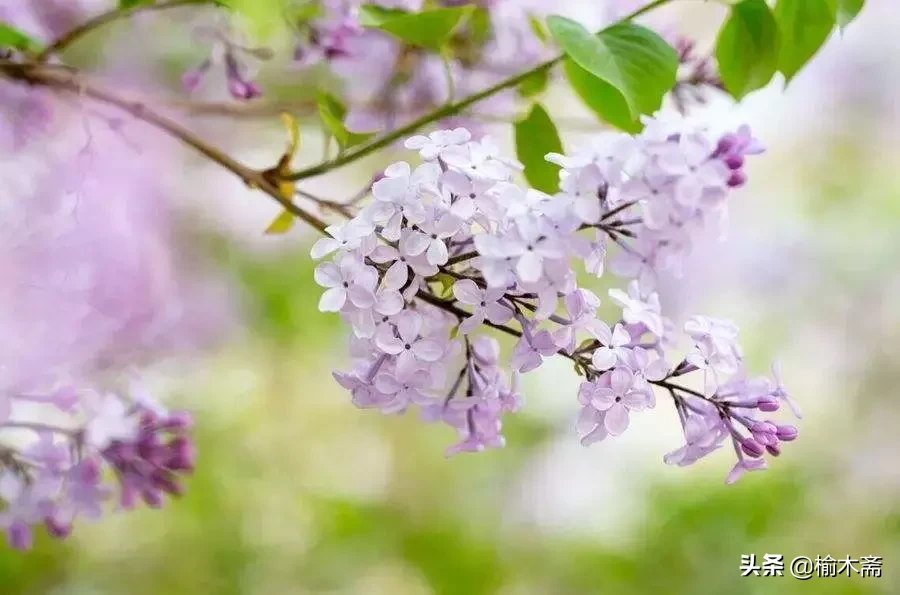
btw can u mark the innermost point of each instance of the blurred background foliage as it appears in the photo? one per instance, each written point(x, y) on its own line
point(297, 492)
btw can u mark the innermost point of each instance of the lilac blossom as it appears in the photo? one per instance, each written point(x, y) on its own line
point(504, 255)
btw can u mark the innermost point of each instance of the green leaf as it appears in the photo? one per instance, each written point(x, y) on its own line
point(132, 3)
point(747, 48)
point(804, 25)
point(333, 112)
point(446, 283)
point(601, 97)
point(845, 11)
point(282, 224)
point(536, 136)
point(538, 28)
point(303, 13)
point(372, 15)
point(633, 60)
point(11, 37)
point(263, 19)
point(535, 83)
point(430, 29)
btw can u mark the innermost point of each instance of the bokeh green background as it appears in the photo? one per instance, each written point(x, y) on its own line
point(297, 492)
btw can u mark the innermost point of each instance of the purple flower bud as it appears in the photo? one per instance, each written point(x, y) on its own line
point(786, 433)
point(152, 497)
point(19, 536)
point(182, 454)
point(738, 178)
point(89, 470)
point(148, 419)
point(767, 404)
point(773, 449)
point(734, 161)
point(752, 448)
point(148, 444)
point(241, 89)
point(191, 79)
point(763, 427)
point(726, 144)
point(57, 529)
point(128, 495)
point(177, 420)
point(764, 438)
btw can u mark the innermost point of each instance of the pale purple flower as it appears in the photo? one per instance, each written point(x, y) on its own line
point(407, 344)
point(433, 146)
point(108, 422)
point(344, 237)
point(429, 238)
point(613, 345)
point(615, 397)
point(402, 265)
point(484, 302)
point(691, 161)
point(744, 465)
point(591, 425)
point(406, 385)
point(348, 281)
point(479, 160)
point(780, 392)
point(529, 352)
point(637, 309)
point(703, 434)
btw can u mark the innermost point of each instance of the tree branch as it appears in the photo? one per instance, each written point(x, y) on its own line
point(110, 16)
point(64, 79)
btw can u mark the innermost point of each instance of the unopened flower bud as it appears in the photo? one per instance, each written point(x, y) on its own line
point(738, 178)
point(767, 404)
point(786, 433)
point(752, 448)
point(56, 528)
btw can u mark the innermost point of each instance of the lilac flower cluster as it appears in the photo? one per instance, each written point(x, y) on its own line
point(105, 446)
point(454, 244)
point(228, 48)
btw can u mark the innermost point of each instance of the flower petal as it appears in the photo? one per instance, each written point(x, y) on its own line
point(616, 420)
point(333, 300)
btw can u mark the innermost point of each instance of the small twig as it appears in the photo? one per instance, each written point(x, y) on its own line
point(110, 16)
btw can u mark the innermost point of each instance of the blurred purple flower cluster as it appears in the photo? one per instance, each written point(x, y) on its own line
point(96, 282)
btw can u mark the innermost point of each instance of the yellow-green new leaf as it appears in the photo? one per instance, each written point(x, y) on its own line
point(281, 224)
